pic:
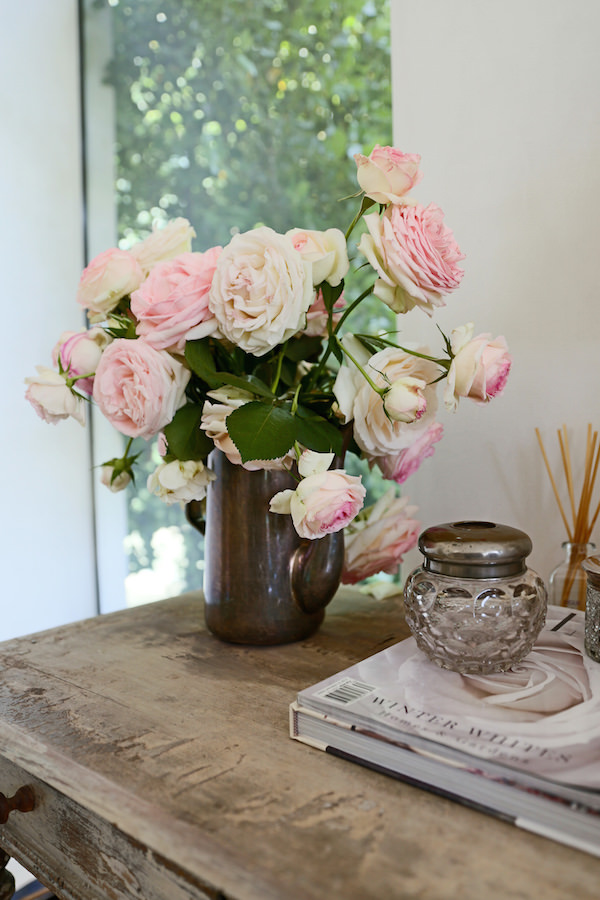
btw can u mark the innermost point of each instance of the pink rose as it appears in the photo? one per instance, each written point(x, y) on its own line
point(52, 398)
point(325, 500)
point(387, 174)
point(378, 538)
point(79, 352)
point(479, 369)
point(415, 256)
point(137, 388)
point(110, 276)
point(316, 317)
point(162, 446)
point(171, 306)
point(165, 242)
point(261, 290)
point(401, 465)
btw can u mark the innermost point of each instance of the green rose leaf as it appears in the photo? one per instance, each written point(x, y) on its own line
point(200, 361)
point(337, 352)
point(331, 294)
point(262, 430)
point(184, 436)
point(288, 374)
point(317, 433)
point(249, 383)
point(303, 347)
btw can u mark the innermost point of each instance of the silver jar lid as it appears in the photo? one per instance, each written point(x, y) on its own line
point(474, 549)
point(592, 569)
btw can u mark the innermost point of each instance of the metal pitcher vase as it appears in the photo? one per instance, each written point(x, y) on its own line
point(263, 584)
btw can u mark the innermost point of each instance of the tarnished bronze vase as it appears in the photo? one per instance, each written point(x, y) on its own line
point(263, 584)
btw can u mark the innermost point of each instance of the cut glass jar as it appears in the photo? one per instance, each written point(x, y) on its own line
point(473, 606)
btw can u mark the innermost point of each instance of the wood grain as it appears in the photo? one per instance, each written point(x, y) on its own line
point(163, 763)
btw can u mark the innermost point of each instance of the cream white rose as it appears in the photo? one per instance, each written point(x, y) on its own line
point(180, 481)
point(214, 422)
point(52, 398)
point(118, 482)
point(164, 243)
point(214, 419)
point(326, 251)
point(349, 379)
point(405, 401)
point(375, 434)
point(261, 290)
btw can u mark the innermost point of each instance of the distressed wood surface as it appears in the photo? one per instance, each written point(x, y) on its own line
point(163, 769)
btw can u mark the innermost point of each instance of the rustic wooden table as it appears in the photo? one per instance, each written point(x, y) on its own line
point(162, 769)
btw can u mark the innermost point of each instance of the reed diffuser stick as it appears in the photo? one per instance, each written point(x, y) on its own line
point(579, 531)
point(566, 458)
point(553, 483)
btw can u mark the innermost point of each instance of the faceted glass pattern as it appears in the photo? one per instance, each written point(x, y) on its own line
point(475, 626)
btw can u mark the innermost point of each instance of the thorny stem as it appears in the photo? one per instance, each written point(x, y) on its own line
point(71, 379)
point(351, 308)
point(444, 363)
point(295, 400)
point(333, 332)
point(366, 203)
point(378, 390)
point(278, 372)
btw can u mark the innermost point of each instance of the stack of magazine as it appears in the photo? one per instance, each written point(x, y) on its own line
point(523, 745)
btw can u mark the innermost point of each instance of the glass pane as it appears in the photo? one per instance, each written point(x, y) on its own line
point(233, 116)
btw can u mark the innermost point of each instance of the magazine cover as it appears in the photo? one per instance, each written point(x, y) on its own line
point(542, 717)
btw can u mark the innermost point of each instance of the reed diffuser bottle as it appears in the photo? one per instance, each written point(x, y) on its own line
point(567, 582)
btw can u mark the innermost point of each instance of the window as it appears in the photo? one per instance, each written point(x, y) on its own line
point(232, 117)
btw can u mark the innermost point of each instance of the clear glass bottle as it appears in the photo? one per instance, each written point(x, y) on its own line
point(567, 582)
point(473, 606)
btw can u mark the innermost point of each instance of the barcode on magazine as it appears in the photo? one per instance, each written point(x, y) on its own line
point(346, 691)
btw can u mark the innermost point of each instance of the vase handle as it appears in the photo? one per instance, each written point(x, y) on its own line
point(315, 570)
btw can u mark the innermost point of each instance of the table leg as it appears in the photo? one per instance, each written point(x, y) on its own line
point(7, 882)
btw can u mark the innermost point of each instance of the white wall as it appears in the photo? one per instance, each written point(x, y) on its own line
point(46, 547)
point(501, 101)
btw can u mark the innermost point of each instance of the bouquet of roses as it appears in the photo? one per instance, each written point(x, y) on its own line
point(246, 349)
